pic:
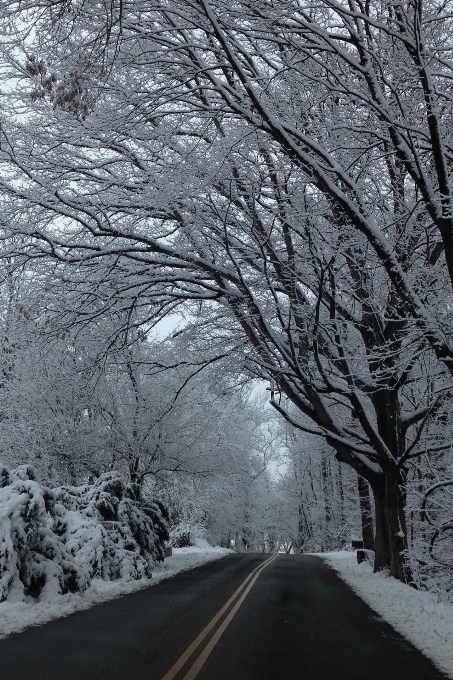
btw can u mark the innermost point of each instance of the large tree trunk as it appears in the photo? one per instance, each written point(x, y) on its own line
point(391, 535)
point(365, 514)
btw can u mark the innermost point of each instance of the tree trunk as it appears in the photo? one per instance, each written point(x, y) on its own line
point(304, 531)
point(327, 492)
point(365, 513)
point(391, 535)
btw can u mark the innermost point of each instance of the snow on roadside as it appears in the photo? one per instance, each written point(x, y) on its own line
point(416, 615)
point(15, 616)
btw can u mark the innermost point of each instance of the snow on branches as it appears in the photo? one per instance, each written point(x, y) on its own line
point(58, 540)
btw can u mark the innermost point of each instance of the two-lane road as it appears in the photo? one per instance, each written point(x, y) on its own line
point(244, 617)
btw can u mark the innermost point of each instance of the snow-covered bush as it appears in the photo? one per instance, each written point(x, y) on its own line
point(190, 503)
point(183, 535)
point(57, 540)
point(430, 519)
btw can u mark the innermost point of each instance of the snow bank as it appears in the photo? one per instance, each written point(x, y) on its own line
point(16, 616)
point(417, 615)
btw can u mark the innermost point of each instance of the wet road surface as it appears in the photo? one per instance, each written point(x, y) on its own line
point(289, 617)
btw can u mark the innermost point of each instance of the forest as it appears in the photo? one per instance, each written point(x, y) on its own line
point(226, 285)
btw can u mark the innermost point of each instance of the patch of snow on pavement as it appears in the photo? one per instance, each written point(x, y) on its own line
point(15, 616)
point(417, 615)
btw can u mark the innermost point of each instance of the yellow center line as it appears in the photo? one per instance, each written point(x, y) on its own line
point(195, 669)
point(199, 639)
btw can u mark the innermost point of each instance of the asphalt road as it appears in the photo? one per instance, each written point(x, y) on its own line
point(298, 620)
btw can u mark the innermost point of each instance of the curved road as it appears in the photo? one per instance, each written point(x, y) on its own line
point(291, 618)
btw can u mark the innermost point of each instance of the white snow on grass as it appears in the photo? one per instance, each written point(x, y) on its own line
point(15, 616)
point(415, 614)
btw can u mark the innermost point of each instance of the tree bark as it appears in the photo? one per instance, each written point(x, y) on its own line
point(391, 535)
point(304, 531)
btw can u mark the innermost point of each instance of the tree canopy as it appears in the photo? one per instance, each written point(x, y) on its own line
point(278, 171)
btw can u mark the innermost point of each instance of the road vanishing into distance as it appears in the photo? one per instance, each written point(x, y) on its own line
point(243, 617)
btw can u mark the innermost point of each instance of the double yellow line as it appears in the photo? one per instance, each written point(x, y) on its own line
point(201, 659)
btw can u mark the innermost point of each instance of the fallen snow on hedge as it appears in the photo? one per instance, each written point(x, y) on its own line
point(16, 616)
point(56, 541)
point(417, 615)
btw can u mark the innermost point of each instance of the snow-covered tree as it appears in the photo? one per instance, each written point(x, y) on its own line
point(285, 166)
point(319, 495)
point(57, 540)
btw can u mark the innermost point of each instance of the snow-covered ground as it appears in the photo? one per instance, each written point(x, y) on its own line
point(15, 616)
point(417, 615)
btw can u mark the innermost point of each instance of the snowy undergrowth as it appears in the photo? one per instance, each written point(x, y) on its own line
point(14, 617)
point(416, 614)
point(56, 541)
